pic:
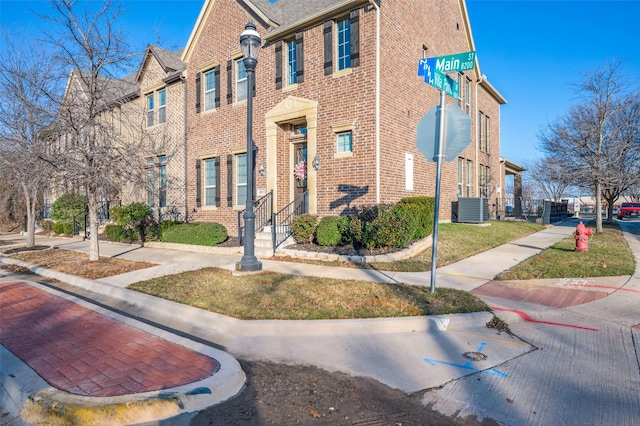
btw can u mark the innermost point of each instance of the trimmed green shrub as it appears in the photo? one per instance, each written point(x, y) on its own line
point(197, 233)
point(68, 206)
point(385, 229)
point(166, 224)
point(328, 231)
point(63, 228)
point(422, 208)
point(129, 214)
point(304, 228)
point(115, 232)
point(136, 217)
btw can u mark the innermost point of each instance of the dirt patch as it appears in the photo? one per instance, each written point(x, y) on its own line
point(285, 395)
point(76, 263)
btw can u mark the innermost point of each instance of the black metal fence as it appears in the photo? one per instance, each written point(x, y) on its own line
point(263, 208)
point(281, 229)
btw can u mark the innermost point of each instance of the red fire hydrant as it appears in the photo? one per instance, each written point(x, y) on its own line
point(582, 237)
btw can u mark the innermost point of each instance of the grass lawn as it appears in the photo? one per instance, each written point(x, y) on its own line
point(269, 295)
point(608, 256)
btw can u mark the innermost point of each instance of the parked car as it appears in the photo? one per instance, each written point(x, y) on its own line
point(629, 210)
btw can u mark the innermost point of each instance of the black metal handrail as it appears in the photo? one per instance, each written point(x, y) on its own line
point(281, 229)
point(263, 208)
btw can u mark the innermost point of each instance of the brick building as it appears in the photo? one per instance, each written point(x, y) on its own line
point(337, 100)
point(336, 85)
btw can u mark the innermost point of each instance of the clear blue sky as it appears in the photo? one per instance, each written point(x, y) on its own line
point(532, 51)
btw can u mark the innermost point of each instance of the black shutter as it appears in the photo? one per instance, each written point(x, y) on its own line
point(229, 82)
point(217, 163)
point(198, 184)
point(216, 75)
point(300, 56)
point(355, 37)
point(279, 65)
point(328, 48)
point(229, 180)
point(197, 92)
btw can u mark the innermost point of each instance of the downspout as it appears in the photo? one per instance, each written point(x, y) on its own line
point(186, 165)
point(476, 150)
point(377, 118)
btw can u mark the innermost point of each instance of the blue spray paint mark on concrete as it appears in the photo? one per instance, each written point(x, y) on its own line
point(468, 365)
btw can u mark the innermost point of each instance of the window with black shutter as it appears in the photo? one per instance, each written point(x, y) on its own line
point(300, 57)
point(197, 92)
point(229, 180)
point(198, 184)
point(229, 82)
point(328, 48)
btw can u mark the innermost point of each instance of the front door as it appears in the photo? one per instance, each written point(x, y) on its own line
point(300, 173)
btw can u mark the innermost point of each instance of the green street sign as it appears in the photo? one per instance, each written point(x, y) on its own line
point(455, 63)
point(434, 70)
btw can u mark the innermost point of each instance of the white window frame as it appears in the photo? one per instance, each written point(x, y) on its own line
point(162, 105)
point(468, 177)
point(150, 109)
point(209, 93)
point(210, 171)
point(343, 43)
point(162, 181)
point(238, 182)
point(460, 176)
point(291, 64)
point(467, 95)
point(486, 134)
point(241, 80)
point(339, 144)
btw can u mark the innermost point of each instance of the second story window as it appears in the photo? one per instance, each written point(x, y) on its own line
point(343, 43)
point(292, 65)
point(209, 90)
point(162, 105)
point(150, 110)
point(241, 80)
point(290, 61)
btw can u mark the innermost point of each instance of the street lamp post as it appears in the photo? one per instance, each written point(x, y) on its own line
point(250, 42)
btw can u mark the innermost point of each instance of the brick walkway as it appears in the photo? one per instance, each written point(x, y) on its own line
point(541, 295)
point(82, 352)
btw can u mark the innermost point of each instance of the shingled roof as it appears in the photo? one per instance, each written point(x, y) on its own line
point(286, 12)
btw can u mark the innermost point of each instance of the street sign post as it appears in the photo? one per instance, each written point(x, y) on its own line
point(433, 127)
point(434, 70)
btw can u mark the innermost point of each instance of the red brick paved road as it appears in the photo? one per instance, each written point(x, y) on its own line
point(82, 352)
point(541, 295)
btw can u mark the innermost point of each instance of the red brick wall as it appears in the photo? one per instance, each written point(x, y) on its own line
point(404, 98)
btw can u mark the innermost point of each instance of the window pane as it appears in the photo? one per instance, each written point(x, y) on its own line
point(150, 185)
point(292, 65)
point(241, 179)
point(241, 81)
point(162, 106)
point(344, 44)
point(210, 182)
point(209, 90)
point(344, 142)
point(162, 193)
point(150, 107)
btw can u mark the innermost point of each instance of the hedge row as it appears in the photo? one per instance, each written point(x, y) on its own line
point(377, 226)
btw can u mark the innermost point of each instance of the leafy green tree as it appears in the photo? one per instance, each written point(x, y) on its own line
point(69, 206)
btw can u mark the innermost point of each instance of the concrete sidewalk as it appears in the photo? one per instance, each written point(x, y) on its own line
point(410, 354)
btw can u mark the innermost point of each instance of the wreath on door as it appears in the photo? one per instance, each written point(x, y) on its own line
point(300, 170)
